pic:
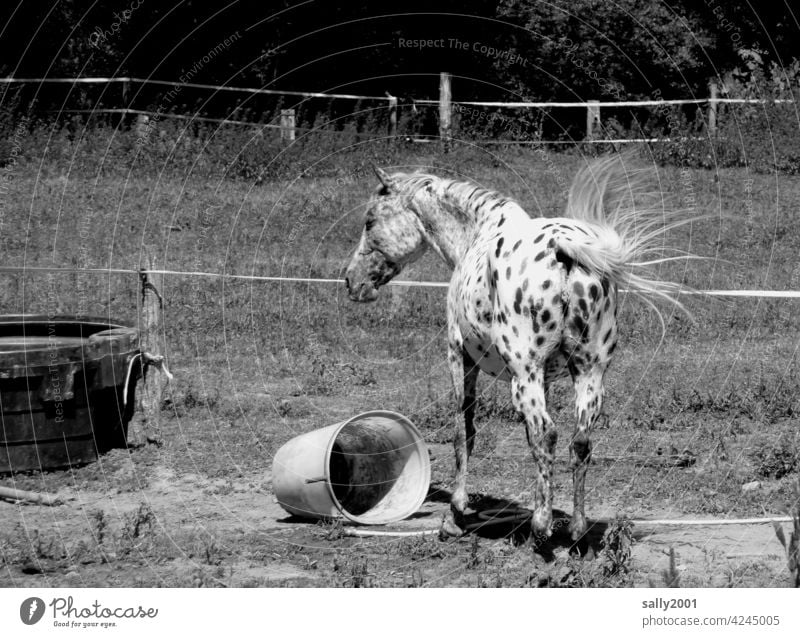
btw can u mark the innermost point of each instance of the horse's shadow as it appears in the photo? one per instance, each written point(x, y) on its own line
point(499, 518)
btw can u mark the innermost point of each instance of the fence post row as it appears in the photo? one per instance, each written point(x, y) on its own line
point(288, 121)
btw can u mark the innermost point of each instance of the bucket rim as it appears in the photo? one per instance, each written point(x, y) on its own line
point(419, 443)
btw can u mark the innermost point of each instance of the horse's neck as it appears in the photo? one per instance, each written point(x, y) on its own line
point(450, 219)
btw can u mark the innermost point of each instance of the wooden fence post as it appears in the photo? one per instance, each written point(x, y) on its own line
point(287, 124)
point(712, 107)
point(445, 109)
point(392, 115)
point(150, 345)
point(592, 117)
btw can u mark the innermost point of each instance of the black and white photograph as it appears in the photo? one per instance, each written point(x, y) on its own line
point(316, 294)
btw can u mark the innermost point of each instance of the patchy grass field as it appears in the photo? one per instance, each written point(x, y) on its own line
point(257, 363)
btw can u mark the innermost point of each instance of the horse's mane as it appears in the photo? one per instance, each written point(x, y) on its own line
point(466, 195)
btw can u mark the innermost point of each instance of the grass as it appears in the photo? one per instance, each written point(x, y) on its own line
point(258, 363)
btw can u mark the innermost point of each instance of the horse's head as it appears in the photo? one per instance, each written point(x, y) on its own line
point(392, 238)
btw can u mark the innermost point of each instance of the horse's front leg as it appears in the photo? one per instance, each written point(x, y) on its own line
point(464, 373)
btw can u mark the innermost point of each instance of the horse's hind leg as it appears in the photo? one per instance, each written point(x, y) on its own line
point(588, 405)
point(528, 395)
point(464, 373)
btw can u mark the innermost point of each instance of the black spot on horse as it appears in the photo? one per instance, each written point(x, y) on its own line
point(594, 292)
point(546, 316)
point(502, 219)
point(563, 258)
point(546, 284)
point(540, 256)
point(518, 301)
point(584, 307)
point(540, 341)
point(508, 273)
point(551, 243)
point(539, 238)
point(516, 245)
point(581, 328)
point(606, 337)
point(499, 246)
point(577, 288)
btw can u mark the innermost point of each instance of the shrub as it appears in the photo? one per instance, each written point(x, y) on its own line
point(776, 458)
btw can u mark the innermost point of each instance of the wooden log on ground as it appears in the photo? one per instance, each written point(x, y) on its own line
point(17, 495)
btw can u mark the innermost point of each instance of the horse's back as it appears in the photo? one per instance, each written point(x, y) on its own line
point(522, 301)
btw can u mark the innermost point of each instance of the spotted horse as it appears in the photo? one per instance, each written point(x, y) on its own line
point(530, 299)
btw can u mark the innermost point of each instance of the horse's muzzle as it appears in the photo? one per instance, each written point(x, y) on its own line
point(361, 292)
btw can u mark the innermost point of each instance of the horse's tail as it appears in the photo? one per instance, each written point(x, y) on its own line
point(628, 225)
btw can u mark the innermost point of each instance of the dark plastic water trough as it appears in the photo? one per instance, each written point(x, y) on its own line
point(63, 386)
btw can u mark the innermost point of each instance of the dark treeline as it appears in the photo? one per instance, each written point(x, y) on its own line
point(507, 49)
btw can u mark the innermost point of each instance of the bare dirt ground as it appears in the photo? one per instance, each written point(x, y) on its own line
point(159, 525)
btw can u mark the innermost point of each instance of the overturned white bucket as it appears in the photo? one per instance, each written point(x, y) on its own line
point(371, 469)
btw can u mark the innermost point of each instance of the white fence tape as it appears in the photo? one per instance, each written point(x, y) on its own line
point(138, 80)
point(771, 294)
point(109, 80)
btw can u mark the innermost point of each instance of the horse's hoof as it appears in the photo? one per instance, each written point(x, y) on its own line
point(542, 525)
point(577, 527)
point(449, 528)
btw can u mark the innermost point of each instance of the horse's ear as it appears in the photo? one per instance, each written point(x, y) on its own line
point(387, 182)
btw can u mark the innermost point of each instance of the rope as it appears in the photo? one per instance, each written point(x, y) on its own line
point(492, 517)
point(771, 294)
point(147, 360)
